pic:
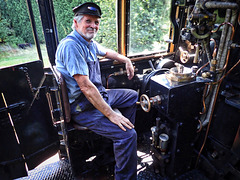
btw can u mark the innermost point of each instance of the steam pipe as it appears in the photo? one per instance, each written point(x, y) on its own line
point(195, 60)
point(221, 5)
point(228, 38)
point(196, 35)
point(223, 55)
point(223, 35)
point(222, 52)
point(223, 48)
point(207, 49)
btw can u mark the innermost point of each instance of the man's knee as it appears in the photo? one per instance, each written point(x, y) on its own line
point(129, 135)
point(133, 134)
point(134, 95)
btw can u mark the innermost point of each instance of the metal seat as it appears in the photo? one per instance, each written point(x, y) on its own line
point(80, 142)
point(65, 101)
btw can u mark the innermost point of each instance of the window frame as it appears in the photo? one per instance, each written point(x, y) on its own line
point(123, 31)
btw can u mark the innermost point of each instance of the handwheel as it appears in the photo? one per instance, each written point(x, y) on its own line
point(184, 55)
point(145, 103)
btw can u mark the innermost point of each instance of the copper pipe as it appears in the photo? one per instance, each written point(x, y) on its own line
point(213, 31)
point(210, 89)
point(204, 96)
point(215, 48)
point(208, 127)
point(229, 71)
point(214, 103)
point(201, 68)
point(200, 128)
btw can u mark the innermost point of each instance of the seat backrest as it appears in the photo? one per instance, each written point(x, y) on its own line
point(64, 93)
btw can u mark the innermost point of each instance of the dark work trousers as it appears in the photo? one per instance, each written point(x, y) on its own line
point(124, 142)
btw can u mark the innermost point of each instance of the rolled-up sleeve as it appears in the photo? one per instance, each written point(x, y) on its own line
point(74, 57)
point(100, 50)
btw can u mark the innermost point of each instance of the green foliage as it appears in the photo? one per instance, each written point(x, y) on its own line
point(16, 23)
point(64, 16)
point(149, 22)
point(16, 12)
point(7, 35)
point(4, 30)
point(107, 32)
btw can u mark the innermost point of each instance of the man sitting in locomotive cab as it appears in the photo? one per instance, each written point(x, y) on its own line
point(91, 104)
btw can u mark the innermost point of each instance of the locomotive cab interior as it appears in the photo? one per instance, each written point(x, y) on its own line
point(188, 110)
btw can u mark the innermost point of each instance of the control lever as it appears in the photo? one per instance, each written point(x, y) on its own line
point(151, 64)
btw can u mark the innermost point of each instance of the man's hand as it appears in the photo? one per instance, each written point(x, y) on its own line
point(121, 121)
point(123, 59)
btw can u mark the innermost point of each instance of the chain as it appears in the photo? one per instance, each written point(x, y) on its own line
point(24, 69)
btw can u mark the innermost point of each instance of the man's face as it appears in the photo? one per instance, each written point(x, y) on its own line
point(88, 26)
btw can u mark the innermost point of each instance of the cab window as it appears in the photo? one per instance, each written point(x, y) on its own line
point(107, 34)
point(16, 38)
point(149, 26)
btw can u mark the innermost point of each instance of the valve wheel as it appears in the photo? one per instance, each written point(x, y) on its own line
point(145, 103)
point(184, 57)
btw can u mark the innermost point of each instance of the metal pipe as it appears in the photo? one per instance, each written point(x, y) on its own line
point(208, 101)
point(221, 5)
point(198, 36)
point(223, 35)
point(207, 49)
point(228, 38)
point(195, 60)
point(221, 56)
point(174, 22)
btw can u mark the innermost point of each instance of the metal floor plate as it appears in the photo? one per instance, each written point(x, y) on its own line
point(60, 170)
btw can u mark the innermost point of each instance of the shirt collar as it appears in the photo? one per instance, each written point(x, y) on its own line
point(81, 39)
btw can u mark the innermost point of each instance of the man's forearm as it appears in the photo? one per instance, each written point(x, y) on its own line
point(94, 97)
point(116, 56)
point(92, 94)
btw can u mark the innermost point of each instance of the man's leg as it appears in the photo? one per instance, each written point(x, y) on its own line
point(125, 100)
point(124, 142)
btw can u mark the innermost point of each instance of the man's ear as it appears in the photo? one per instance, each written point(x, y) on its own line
point(75, 22)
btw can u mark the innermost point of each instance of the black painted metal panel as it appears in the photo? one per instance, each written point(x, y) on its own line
point(36, 138)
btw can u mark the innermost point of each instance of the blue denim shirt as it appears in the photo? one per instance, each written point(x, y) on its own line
point(72, 55)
